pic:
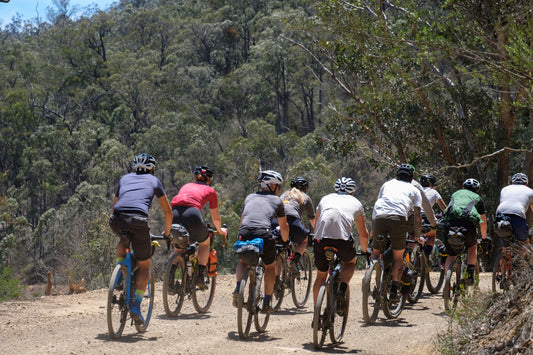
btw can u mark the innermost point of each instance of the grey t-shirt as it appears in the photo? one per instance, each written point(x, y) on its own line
point(135, 192)
point(260, 208)
point(515, 199)
point(337, 213)
point(294, 209)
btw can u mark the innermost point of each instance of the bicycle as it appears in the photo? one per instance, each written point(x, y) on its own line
point(297, 282)
point(455, 282)
point(415, 260)
point(121, 293)
point(435, 264)
point(326, 310)
point(182, 274)
point(376, 287)
point(251, 296)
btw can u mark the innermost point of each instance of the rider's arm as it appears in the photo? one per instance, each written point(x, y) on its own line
point(284, 228)
point(167, 210)
point(217, 221)
point(441, 204)
point(360, 224)
point(483, 226)
point(312, 221)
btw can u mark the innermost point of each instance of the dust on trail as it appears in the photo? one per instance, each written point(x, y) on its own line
point(76, 324)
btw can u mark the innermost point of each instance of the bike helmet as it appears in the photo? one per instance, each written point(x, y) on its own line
point(300, 183)
point(143, 163)
point(471, 184)
point(345, 184)
point(405, 172)
point(519, 179)
point(204, 171)
point(270, 177)
point(427, 180)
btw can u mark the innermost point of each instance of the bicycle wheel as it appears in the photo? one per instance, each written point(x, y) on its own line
point(418, 266)
point(302, 281)
point(245, 307)
point(338, 326)
point(371, 286)
point(320, 318)
point(501, 273)
point(117, 301)
point(202, 298)
point(435, 272)
point(279, 286)
point(174, 285)
point(451, 289)
point(147, 304)
point(391, 310)
point(260, 319)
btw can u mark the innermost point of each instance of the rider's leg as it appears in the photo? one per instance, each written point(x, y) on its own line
point(270, 278)
point(203, 252)
point(319, 281)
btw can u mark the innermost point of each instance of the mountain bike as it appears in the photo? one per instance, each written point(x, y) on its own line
point(251, 298)
point(296, 281)
point(455, 281)
point(121, 293)
point(182, 274)
point(376, 287)
point(415, 260)
point(326, 311)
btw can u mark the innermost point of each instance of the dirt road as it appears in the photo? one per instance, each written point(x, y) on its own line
point(76, 324)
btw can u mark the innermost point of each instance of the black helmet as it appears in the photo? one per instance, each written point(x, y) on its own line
point(519, 179)
point(345, 184)
point(143, 163)
point(204, 171)
point(427, 180)
point(300, 183)
point(405, 172)
point(471, 184)
point(270, 177)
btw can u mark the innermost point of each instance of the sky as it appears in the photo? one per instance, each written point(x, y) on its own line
point(30, 9)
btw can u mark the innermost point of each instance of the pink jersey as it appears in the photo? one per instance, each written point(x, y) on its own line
point(195, 194)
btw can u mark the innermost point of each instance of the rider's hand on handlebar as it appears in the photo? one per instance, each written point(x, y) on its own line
point(224, 232)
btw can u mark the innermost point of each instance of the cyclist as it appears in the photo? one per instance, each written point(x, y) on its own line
point(335, 216)
point(428, 183)
point(186, 210)
point(465, 212)
point(133, 198)
point(259, 209)
point(396, 198)
point(296, 201)
point(515, 199)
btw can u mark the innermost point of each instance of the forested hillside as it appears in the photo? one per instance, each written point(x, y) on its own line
point(306, 87)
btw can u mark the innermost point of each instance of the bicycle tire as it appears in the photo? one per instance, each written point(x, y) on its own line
point(501, 274)
point(371, 288)
point(279, 286)
point(260, 319)
point(301, 283)
point(336, 333)
point(419, 272)
point(148, 301)
point(245, 307)
point(320, 318)
point(451, 290)
point(117, 301)
point(435, 266)
point(390, 310)
point(203, 298)
point(174, 285)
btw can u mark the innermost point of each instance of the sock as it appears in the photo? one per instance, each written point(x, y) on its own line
point(470, 270)
point(296, 257)
point(342, 288)
point(427, 250)
point(120, 260)
point(394, 286)
point(266, 299)
point(202, 269)
point(139, 294)
point(238, 287)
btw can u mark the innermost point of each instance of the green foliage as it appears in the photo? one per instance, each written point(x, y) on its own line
point(10, 287)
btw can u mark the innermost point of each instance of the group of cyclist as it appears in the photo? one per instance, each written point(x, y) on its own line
point(402, 204)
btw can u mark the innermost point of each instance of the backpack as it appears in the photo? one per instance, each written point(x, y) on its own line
point(503, 228)
point(463, 207)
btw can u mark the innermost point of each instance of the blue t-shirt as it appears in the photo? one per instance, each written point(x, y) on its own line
point(135, 192)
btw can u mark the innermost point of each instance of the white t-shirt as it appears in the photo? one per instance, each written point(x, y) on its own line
point(515, 199)
point(337, 214)
point(432, 195)
point(397, 198)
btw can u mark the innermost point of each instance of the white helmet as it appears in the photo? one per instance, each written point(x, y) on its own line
point(519, 179)
point(270, 177)
point(143, 163)
point(345, 184)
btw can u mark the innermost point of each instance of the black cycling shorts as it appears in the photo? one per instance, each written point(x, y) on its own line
point(269, 243)
point(136, 226)
point(191, 218)
point(345, 251)
point(297, 231)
